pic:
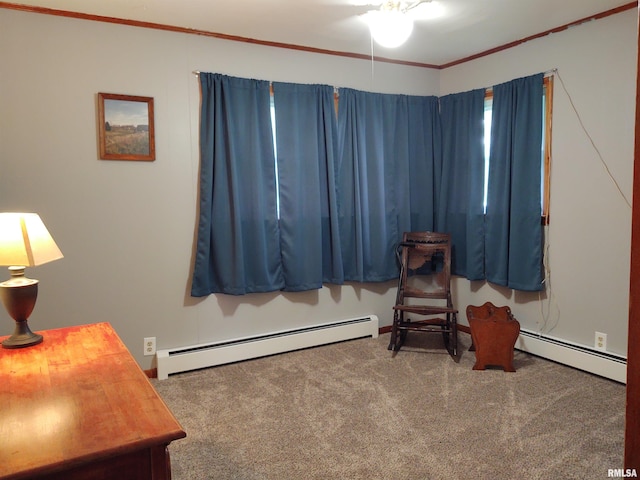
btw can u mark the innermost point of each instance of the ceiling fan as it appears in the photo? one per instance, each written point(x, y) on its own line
point(399, 5)
point(391, 23)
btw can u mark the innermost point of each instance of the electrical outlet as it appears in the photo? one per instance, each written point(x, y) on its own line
point(601, 341)
point(149, 346)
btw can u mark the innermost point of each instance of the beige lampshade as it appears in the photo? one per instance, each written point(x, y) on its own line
point(25, 241)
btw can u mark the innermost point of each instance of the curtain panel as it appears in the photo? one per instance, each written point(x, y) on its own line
point(238, 243)
point(461, 206)
point(514, 235)
point(306, 146)
point(425, 161)
point(388, 156)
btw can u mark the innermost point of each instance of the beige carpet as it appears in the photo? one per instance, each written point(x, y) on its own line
point(351, 411)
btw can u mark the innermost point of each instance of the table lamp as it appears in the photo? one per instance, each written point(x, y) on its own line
point(24, 242)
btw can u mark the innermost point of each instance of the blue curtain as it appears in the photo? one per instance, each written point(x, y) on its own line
point(461, 205)
point(514, 235)
point(350, 187)
point(425, 162)
point(386, 182)
point(306, 146)
point(237, 249)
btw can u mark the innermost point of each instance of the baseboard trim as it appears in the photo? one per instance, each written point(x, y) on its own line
point(574, 355)
point(195, 357)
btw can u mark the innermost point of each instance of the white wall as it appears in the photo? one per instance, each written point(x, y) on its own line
point(127, 228)
point(589, 235)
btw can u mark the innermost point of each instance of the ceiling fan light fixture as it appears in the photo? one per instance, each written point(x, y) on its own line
point(390, 28)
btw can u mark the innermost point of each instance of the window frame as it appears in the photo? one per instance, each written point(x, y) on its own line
point(548, 116)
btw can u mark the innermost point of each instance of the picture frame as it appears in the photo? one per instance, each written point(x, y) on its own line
point(126, 127)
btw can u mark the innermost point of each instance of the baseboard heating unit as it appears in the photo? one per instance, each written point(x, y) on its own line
point(195, 357)
point(600, 363)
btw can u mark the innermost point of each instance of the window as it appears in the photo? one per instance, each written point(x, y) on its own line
point(275, 149)
point(545, 153)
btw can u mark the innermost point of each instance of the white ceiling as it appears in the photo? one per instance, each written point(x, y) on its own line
point(468, 27)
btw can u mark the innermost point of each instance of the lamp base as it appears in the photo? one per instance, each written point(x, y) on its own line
point(22, 337)
point(19, 295)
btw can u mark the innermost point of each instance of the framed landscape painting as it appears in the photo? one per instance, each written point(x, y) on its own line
point(125, 127)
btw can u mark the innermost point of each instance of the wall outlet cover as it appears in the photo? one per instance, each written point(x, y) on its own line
point(149, 346)
point(601, 341)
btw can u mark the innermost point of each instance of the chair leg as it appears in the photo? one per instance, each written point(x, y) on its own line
point(446, 334)
point(454, 334)
point(397, 341)
point(397, 336)
point(450, 334)
point(392, 341)
point(394, 332)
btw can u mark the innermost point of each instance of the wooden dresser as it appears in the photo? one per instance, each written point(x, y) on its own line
point(78, 406)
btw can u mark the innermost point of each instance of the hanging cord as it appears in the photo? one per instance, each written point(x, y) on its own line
point(372, 58)
point(192, 140)
point(545, 316)
point(604, 163)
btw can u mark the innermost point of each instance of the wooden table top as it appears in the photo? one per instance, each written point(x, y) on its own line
point(77, 397)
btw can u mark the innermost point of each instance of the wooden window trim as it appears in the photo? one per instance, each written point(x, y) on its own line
point(546, 199)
